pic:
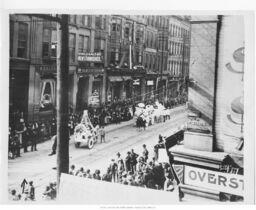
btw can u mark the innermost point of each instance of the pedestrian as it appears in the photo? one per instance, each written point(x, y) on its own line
point(96, 175)
point(88, 174)
point(120, 165)
point(141, 165)
point(134, 161)
point(31, 191)
point(128, 162)
point(12, 148)
point(168, 184)
point(72, 170)
point(34, 137)
point(21, 131)
point(54, 145)
point(113, 170)
point(102, 134)
point(14, 196)
point(145, 153)
point(17, 145)
point(80, 172)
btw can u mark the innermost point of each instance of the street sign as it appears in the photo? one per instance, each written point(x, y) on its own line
point(213, 180)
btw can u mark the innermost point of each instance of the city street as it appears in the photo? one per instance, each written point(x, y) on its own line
point(39, 167)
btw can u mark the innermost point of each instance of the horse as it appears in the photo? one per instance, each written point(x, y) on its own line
point(140, 123)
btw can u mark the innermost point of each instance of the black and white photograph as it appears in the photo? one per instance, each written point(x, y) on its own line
point(128, 108)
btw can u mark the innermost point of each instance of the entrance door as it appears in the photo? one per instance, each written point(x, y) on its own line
point(116, 90)
point(82, 93)
point(19, 80)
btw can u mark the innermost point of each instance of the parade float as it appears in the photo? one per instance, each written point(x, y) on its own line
point(85, 133)
point(151, 113)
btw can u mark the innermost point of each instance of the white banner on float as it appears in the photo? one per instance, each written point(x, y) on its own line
point(213, 180)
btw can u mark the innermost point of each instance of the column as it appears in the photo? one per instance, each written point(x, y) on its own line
point(89, 92)
point(122, 91)
point(104, 88)
point(75, 89)
point(143, 88)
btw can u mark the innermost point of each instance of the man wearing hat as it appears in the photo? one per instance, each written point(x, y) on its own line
point(120, 164)
point(113, 170)
point(134, 161)
point(31, 191)
point(128, 162)
point(145, 153)
point(21, 131)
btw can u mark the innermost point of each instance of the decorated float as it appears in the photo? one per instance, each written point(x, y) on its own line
point(85, 134)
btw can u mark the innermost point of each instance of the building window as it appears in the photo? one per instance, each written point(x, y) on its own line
point(114, 56)
point(11, 37)
point(72, 47)
point(22, 40)
point(103, 22)
point(85, 20)
point(116, 25)
point(127, 31)
point(97, 45)
point(98, 22)
point(54, 43)
point(80, 19)
point(72, 19)
point(83, 43)
point(46, 49)
point(46, 42)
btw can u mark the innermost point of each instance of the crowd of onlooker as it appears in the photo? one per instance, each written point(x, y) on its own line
point(24, 134)
point(133, 169)
point(111, 112)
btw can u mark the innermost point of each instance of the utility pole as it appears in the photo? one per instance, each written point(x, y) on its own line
point(62, 97)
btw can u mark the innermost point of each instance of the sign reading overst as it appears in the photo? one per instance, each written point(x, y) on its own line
point(95, 57)
point(223, 182)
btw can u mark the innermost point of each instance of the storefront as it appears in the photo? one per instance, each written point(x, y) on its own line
point(19, 89)
point(119, 87)
point(91, 87)
point(42, 100)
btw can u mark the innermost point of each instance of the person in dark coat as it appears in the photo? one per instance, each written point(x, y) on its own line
point(128, 162)
point(145, 153)
point(134, 161)
point(34, 137)
point(21, 131)
point(113, 170)
point(31, 191)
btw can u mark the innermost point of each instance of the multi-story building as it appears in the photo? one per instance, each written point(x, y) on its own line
point(125, 50)
point(33, 47)
point(111, 57)
point(179, 52)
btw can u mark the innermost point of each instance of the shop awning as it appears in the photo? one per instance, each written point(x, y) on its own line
point(119, 78)
point(115, 78)
point(125, 78)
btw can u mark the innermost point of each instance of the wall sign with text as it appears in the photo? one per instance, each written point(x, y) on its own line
point(223, 182)
point(95, 57)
